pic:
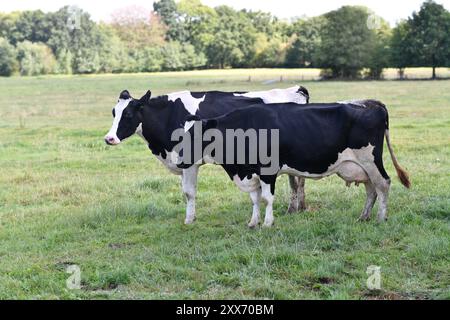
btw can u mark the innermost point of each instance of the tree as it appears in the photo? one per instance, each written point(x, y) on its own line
point(138, 27)
point(430, 36)
point(306, 40)
point(7, 24)
point(35, 58)
point(8, 62)
point(198, 20)
point(73, 30)
point(33, 26)
point(380, 49)
point(111, 50)
point(346, 42)
point(400, 50)
point(264, 22)
point(232, 40)
point(64, 62)
point(178, 56)
point(269, 53)
point(168, 11)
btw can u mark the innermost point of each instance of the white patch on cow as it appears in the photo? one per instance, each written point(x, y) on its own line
point(188, 125)
point(118, 109)
point(277, 95)
point(349, 165)
point(359, 103)
point(190, 103)
point(247, 185)
point(139, 132)
point(170, 162)
point(268, 197)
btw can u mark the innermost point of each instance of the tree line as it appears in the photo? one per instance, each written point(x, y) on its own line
point(350, 42)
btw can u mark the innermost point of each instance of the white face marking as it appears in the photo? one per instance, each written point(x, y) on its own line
point(277, 95)
point(111, 136)
point(190, 103)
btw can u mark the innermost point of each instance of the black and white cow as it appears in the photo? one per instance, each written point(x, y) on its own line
point(315, 141)
point(154, 119)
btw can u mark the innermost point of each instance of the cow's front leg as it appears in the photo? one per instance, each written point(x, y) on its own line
point(256, 199)
point(370, 201)
point(383, 192)
point(297, 202)
point(189, 182)
point(268, 195)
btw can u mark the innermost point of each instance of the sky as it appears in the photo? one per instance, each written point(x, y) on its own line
point(391, 10)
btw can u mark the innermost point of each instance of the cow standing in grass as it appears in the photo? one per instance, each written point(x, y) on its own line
point(154, 119)
point(311, 141)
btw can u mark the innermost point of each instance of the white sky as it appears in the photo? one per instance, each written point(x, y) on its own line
point(391, 10)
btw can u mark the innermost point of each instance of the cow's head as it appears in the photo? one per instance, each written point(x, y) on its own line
point(127, 117)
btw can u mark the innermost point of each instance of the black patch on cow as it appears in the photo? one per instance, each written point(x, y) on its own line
point(302, 90)
point(197, 95)
point(125, 95)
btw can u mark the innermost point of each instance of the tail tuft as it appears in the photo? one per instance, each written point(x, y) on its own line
point(401, 173)
point(403, 176)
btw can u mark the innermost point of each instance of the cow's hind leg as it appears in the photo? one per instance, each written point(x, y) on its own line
point(301, 193)
point(293, 204)
point(297, 202)
point(382, 184)
point(370, 201)
point(383, 193)
point(256, 199)
point(268, 195)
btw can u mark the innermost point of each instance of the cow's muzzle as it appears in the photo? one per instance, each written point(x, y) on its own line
point(112, 141)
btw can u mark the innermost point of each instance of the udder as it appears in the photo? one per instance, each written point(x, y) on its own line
point(247, 185)
point(351, 172)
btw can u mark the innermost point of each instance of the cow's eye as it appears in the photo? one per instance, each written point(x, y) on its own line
point(128, 115)
point(114, 113)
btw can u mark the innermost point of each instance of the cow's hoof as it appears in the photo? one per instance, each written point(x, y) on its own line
point(363, 218)
point(382, 220)
point(268, 224)
point(189, 221)
point(252, 225)
point(292, 210)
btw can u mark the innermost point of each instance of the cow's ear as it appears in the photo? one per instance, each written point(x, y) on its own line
point(209, 124)
point(146, 97)
point(125, 95)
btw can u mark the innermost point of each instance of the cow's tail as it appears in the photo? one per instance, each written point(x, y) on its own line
point(401, 173)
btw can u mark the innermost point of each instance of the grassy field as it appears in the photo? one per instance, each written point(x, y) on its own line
point(68, 199)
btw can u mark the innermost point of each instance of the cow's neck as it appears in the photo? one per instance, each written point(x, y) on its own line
point(159, 119)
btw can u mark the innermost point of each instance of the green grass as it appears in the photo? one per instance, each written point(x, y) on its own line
point(117, 213)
